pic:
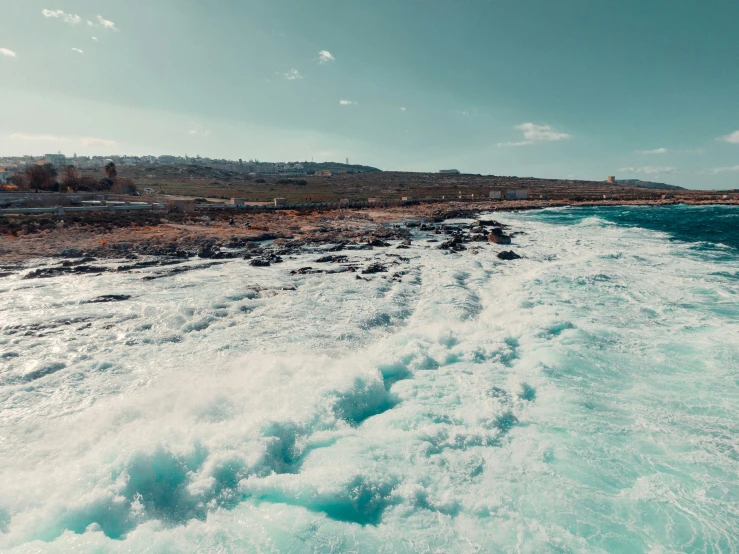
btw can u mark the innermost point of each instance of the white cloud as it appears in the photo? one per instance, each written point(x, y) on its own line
point(106, 24)
point(324, 56)
point(655, 151)
point(519, 143)
point(730, 169)
point(7, 53)
point(195, 133)
point(98, 142)
point(59, 14)
point(37, 138)
point(649, 170)
point(78, 50)
point(731, 137)
point(464, 113)
point(537, 133)
point(402, 109)
point(292, 75)
point(95, 39)
point(347, 103)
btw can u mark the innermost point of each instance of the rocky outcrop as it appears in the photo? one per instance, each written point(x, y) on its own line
point(508, 255)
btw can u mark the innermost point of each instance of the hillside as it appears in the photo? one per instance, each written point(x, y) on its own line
point(648, 184)
point(229, 182)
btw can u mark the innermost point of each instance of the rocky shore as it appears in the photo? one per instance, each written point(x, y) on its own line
point(263, 238)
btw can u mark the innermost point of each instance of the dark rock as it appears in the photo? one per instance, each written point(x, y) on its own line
point(499, 239)
point(508, 255)
point(259, 262)
point(70, 263)
point(377, 242)
point(206, 251)
point(305, 271)
point(374, 268)
point(109, 298)
point(332, 259)
point(487, 223)
point(46, 272)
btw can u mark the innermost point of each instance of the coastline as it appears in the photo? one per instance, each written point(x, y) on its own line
point(188, 235)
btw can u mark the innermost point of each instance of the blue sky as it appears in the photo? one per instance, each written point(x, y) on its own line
point(572, 88)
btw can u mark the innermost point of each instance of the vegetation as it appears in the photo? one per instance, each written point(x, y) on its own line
point(44, 178)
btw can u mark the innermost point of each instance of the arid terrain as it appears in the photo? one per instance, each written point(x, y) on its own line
point(228, 182)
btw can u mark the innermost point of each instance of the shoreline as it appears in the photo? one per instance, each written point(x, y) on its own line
point(205, 233)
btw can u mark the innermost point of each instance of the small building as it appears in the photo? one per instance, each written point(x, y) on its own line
point(521, 195)
point(324, 173)
point(182, 205)
point(344, 201)
point(4, 176)
point(57, 160)
point(280, 202)
point(611, 179)
point(374, 200)
point(237, 201)
point(494, 195)
point(407, 199)
point(510, 195)
point(450, 171)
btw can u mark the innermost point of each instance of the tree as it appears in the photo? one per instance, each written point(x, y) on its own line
point(19, 180)
point(70, 177)
point(110, 171)
point(40, 177)
point(124, 186)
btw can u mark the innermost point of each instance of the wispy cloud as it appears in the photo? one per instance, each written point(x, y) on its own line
point(537, 133)
point(6, 52)
point(655, 151)
point(731, 137)
point(37, 138)
point(88, 141)
point(78, 50)
point(195, 133)
point(348, 102)
point(402, 109)
point(60, 140)
point(95, 39)
point(533, 133)
point(59, 14)
point(102, 22)
point(106, 23)
point(292, 75)
point(518, 143)
point(463, 112)
point(718, 170)
point(649, 170)
point(324, 56)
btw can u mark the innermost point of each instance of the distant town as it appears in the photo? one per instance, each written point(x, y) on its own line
point(13, 165)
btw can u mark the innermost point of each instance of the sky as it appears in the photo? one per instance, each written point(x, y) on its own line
point(578, 89)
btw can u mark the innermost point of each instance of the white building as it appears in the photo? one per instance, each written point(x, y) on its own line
point(57, 160)
point(494, 195)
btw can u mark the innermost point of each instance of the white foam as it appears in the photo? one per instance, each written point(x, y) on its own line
point(580, 399)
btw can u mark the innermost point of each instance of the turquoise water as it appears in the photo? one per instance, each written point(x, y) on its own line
point(582, 399)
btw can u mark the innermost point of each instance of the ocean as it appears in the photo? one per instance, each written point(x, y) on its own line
point(584, 398)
